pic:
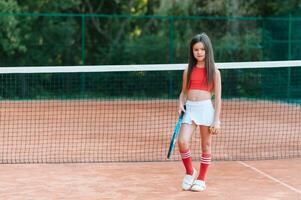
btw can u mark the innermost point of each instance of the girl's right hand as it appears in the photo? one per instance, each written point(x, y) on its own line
point(181, 108)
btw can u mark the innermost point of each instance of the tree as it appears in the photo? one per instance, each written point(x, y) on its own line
point(10, 33)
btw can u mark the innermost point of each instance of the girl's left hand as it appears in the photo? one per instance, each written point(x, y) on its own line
point(215, 127)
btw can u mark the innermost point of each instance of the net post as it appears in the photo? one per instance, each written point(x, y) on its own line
point(289, 55)
point(290, 36)
point(83, 53)
point(171, 51)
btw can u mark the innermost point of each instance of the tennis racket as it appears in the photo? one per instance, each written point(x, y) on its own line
point(175, 135)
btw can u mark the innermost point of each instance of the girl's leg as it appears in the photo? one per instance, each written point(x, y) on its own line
point(183, 142)
point(206, 152)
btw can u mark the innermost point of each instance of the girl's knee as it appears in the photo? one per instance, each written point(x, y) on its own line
point(183, 144)
point(206, 146)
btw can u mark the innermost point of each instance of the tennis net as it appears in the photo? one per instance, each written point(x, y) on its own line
point(66, 114)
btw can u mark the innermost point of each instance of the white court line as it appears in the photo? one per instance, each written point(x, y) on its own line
point(270, 177)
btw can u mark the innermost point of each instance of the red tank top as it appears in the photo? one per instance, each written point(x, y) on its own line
point(198, 79)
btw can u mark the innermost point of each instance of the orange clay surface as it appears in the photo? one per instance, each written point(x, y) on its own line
point(94, 131)
point(265, 180)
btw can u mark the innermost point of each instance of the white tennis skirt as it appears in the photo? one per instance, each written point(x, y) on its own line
point(199, 112)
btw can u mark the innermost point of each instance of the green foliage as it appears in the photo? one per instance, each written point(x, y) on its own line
point(77, 32)
point(10, 34)
point(246, 47)
point(54, 43)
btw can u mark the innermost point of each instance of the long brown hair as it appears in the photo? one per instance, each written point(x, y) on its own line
point(209, 57)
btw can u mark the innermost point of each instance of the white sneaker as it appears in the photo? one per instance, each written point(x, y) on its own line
point(188, 180)
point(198, 186)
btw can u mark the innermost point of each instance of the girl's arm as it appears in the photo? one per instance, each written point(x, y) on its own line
point(183, 95)
point(218, 98)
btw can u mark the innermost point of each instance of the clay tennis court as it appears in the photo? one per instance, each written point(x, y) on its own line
point(151, 180)
point(117, 150)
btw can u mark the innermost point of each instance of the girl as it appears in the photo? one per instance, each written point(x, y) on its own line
point(200, 80)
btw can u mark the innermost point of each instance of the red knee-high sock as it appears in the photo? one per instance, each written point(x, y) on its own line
point(205, 161)
point(186, 158)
